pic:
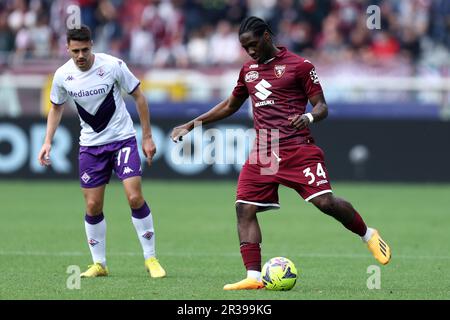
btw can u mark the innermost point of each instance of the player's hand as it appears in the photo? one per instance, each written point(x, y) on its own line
point(180, 131)
point(299, 121)
point(44, 155)
point(149, 149)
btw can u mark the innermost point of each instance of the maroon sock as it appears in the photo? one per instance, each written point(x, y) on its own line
point(358, 225)
point(251, 255)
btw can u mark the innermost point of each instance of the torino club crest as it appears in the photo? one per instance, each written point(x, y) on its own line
point(279, 70)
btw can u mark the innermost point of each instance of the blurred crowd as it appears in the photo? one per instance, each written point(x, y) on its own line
point(197, 33)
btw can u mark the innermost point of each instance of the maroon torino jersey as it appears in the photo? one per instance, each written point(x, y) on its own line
point(279, 90)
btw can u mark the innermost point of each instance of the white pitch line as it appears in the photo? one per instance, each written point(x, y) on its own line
point(212, 254)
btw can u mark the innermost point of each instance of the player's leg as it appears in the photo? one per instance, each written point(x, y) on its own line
point(344, 212)
point(142, 219)
point(128, 169)
point(95, 227)
point(95, 172)
point(313, 186)
point(250, 239)
point(255, 193)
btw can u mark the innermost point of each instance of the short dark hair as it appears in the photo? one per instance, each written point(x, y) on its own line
point(79, 34)
point(254, 24)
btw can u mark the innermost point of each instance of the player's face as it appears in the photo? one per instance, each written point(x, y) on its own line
point(256, 47)
point(81, 53)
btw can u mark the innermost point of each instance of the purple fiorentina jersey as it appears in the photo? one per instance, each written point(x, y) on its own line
point(279, 89)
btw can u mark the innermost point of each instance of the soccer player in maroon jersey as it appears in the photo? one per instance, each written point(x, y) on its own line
point(280, 84)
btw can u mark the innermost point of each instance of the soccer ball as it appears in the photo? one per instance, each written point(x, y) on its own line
point(279, 274)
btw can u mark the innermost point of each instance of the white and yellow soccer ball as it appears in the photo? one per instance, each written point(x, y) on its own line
point(279, 274)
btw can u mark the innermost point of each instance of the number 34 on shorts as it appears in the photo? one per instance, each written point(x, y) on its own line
point(315, 174)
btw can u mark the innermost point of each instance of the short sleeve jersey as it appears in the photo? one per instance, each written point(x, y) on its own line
point(279, 89)
point(98, 98)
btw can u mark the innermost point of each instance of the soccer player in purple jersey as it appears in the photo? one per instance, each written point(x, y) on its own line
point(107, 142)
point(280, 84)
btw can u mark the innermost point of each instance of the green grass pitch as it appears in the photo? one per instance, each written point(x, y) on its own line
point(42, 234)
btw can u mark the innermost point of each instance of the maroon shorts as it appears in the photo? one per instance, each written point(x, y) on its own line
point(300, 167)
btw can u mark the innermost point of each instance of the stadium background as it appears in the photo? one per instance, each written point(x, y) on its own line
point(385, 141)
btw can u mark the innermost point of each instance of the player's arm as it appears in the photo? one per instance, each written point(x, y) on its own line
point(318, 112)
point(221, 111)
point(53, 120)
point(148, 146)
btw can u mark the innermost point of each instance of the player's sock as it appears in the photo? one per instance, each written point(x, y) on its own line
point(254, 274)
point(251, 256)
point(143, 223)
point(96, 234)
point(366, 237)
point(357, 225)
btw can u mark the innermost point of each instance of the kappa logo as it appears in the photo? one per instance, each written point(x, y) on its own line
point(314, 76)
point(279, 70)
point(69, 78)
point(85, 177)
point(127, 170)
point(251, 76)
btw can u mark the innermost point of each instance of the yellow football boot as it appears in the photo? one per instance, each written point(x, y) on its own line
point(95, 270)
point(154, 268)
point(246, 284)
point(379, 248)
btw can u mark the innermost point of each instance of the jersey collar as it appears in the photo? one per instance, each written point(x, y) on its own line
point(278, 55)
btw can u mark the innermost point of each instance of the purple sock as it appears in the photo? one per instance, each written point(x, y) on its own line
point(142, 212)
point(94, 219)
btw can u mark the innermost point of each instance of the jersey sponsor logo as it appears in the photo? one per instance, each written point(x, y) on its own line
point(69, 78)
point(253, 66)
point(100, 72)
point(263, 93)
point(265, 103)
point(251, 76)
point(318, 183)
point(314, 76)
point(97, 90)
point(148, 235)
point(127, 170)
point(279, 70)
point(85, 177)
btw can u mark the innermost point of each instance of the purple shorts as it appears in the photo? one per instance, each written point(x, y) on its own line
point(97, 163)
